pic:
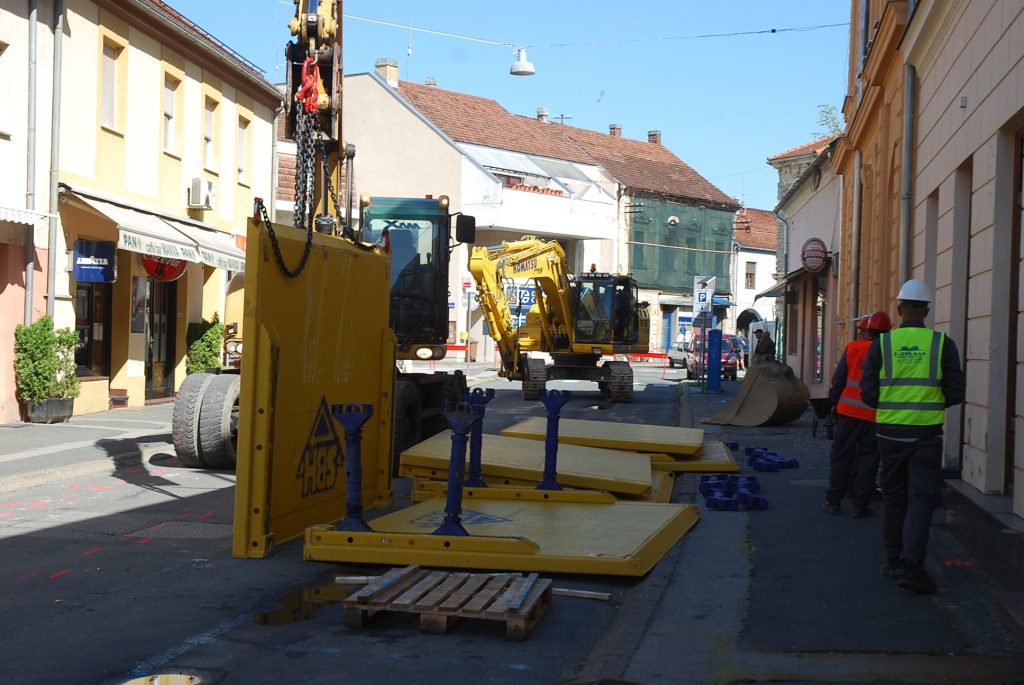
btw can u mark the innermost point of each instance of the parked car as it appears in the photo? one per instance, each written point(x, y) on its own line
point(728, 358)
point(677, 355)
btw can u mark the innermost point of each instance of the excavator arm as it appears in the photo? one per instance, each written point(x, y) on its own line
point(542, 261)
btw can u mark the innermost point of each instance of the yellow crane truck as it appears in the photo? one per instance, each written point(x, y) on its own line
point(415, 232)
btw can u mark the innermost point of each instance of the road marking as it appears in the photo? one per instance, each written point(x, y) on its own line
point(210, 636)
point(68, 446)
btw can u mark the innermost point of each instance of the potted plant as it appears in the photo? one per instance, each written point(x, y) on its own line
point(44, 367)
point(205, 340)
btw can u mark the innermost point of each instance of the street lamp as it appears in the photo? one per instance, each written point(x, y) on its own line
point(522, 66)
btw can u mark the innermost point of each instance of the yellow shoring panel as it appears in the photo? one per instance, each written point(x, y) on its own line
point(425, 485)
point(523, 460)
point(309, 344)
point(714, 457)
point(623, 436)
point(515, 530)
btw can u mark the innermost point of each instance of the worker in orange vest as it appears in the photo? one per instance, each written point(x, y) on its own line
point(853, 465)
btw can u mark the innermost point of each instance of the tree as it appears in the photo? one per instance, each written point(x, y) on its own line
point(830, 121)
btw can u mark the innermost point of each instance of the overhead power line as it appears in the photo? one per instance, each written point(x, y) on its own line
point(611, 41)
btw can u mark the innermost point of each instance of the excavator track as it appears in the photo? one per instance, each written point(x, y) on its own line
point(619, 386)
point(535, 378)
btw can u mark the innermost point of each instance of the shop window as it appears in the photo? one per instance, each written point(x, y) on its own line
point(92, 322)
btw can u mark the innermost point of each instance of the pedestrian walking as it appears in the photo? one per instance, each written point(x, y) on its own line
point(853, 463)
point(911, 375)
point(764, 350)
point(737, 351)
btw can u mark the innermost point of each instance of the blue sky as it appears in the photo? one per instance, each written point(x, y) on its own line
point(723, 104)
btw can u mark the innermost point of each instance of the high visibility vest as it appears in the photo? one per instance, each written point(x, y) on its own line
point(850, 402)
point(910, 380)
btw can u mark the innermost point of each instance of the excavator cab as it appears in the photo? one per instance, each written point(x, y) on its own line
point(606, 309)
point(416, 233)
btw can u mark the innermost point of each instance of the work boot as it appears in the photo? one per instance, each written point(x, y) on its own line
point(915, 579)
point(831, 508)
point(861, 511)
point(893, 568)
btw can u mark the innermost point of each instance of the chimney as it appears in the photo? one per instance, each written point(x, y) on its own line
point(431, 81)
point(542, 114)
point(654, 137)
point(615, 130)
point(388, 69)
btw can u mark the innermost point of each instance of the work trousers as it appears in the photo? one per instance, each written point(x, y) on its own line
point(853, 465)
point(909, 477)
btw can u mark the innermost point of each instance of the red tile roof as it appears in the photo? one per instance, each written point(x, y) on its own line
point(642, 166)
point(757, 229)
point(812, 148)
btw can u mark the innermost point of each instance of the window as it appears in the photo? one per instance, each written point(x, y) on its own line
point(109, 85)
point(209, 128)
point(170, 92)
point(750, 279)
point(243, 128)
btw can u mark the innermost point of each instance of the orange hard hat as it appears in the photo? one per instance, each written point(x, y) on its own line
point(875, 321)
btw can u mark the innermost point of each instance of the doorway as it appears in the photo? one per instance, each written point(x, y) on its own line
point(161, 305)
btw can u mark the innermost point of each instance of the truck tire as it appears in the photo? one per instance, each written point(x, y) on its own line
point(407, 423)
point(185, 419)
point(218, 422)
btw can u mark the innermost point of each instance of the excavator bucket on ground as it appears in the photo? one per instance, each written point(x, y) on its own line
point(771, 395)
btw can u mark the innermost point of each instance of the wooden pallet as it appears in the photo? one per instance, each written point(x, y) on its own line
point(442, 597)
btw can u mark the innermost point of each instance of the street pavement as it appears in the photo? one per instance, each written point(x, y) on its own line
point(787, 594)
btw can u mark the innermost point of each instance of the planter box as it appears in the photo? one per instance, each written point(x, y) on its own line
point(53, 410)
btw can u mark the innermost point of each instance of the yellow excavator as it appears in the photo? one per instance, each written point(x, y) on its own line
point(576, 319)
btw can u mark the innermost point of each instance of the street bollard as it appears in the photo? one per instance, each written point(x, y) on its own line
point(477, 399)
point(352, 417)
point(461, 418)
point(553, 401)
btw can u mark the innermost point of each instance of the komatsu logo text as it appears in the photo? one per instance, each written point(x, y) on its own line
point(525, 265)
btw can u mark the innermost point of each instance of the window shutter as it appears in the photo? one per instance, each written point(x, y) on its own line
point(169, 88)
point(109, 86)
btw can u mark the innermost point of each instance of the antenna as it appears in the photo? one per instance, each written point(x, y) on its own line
point(562, 117)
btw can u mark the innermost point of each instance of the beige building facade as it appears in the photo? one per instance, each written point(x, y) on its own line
point(932, 167)
point(164, 136)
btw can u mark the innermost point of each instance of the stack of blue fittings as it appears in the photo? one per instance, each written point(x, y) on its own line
point(730, 491)
point(763, 460)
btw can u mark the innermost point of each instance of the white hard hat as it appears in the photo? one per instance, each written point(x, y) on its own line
point(915, 289)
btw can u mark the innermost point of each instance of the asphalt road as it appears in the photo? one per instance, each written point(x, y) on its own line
point(124, 570)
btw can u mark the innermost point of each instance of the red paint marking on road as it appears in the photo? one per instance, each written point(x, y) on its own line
point(90, 551)
point(126, 538)
point(206, 516)
point(159, 525)
point(58, 574)
point(74, 487)
point(40, 504)
point(142, 541)
point(99, 488)
point(12, 503)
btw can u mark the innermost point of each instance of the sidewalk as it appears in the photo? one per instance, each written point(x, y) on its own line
point(35, 453)
point(792, 594)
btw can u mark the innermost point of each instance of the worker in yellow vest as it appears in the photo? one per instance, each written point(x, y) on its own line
point(853, 464)
point(911, 375)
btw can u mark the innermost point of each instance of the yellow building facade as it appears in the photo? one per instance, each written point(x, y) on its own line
point(932, 168)
point(166, 137)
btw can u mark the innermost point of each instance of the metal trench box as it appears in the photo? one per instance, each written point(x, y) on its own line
point(517, 530)
point(319, 339)
point(633, 437)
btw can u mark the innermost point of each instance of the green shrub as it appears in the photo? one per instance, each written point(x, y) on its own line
point(44, 361)
point(204, 345)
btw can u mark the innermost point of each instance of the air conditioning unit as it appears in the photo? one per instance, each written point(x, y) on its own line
point(201, 194)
